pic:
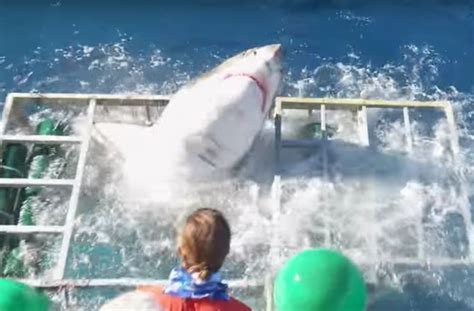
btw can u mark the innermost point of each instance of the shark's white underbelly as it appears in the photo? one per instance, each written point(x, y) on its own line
point(204, 130)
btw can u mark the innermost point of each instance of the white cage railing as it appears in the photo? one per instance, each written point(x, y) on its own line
point(92, 101)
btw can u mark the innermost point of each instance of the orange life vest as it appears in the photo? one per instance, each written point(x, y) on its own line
point(174, 303)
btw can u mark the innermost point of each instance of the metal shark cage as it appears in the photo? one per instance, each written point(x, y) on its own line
point(359, 109)
point(92, 101)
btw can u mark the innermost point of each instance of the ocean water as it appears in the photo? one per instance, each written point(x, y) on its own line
point(371, 49)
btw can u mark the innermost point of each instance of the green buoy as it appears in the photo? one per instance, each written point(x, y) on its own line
point(320, 280)
point(16, 296)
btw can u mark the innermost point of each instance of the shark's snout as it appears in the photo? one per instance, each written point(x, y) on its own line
point(277, 51)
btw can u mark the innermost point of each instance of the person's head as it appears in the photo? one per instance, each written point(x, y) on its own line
point(204, 242)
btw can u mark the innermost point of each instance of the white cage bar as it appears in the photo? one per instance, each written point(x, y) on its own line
point(122, 282)
point(360, 107)
point(76, 190)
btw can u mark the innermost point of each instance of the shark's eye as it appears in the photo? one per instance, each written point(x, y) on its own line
point(254, 52)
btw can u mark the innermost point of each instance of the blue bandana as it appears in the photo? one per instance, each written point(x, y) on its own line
point(184, 285)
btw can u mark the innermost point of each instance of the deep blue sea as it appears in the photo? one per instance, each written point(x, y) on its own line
point(347, 48)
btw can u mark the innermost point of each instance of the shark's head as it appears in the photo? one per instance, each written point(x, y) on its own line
point(263, 64)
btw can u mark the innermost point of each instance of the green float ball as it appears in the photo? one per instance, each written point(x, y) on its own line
point(15, 296)
point(320, 280)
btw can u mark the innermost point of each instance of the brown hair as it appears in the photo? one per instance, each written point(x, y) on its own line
point(204, 242)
